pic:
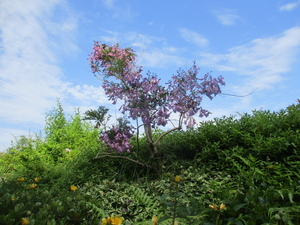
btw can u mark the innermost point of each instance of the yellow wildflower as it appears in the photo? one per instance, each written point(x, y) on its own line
point(73, 188)
point(115, 221)
point(21, 179)
point(37, 179)
point(214, 206)
point(233, 192)
point(33, 186)
point(24, 221)
point(177, 178)
point(112, 221)
point(217, 207)
point(154, 220)
point(104, 221)
point(222, 206)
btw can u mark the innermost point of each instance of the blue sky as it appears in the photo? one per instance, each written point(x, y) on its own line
point(44, 45)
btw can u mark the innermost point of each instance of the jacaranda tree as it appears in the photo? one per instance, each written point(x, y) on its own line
point(144, 98)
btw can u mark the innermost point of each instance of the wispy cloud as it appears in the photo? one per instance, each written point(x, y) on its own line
point(193, 37)
point(289, 6)
point(263, 61)
point(108, 3)
point(86, 95)
point(226, 17)
point(32, 46)
point(161, 58)
point(122, 10)
point(28, 63)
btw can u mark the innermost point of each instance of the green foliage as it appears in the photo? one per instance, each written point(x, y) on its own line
point(268, 136)
point(130, 200)
point(62, 134)
point(249, 164)
point(99, 116)
point(41, 206)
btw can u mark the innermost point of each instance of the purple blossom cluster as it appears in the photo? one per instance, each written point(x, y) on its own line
point(144, 97)
point(185, 93)
point(117, 139)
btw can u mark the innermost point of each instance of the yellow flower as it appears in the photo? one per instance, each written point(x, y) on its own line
point(115, 221)
point(217, 207)
point(177, 178)
point(154, 220)
point(37, 179)
point(21, 179)
point(73, 188)
point(233, 192)
point(214, 206)
point(24, 221)
point(222, 206)
point(104, 221)
point(13, 198)
point(33, 186)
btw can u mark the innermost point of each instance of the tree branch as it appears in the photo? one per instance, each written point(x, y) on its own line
point(122, 157)
point(169, 131)
point(164, 134)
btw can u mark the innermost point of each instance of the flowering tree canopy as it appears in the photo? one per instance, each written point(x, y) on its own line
point(143, 97)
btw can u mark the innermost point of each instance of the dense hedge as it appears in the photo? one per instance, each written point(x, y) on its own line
point(266, 135)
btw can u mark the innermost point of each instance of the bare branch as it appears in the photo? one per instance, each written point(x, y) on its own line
point(239, 95)
point(164, 134)
point(121, 157)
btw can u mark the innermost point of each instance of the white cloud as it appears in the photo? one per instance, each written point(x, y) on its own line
point(226, 17)
point(128, 39)
point(28, 72)
point(193, 37)
point(122, 10)
point(86, 94)
point(9, 136)
point(108, 3)
point(160, 59)
point(141, 41)
point(31, 48)
point(290, 6)
point(263, 60)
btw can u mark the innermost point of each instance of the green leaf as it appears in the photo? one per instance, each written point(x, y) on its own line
point(290, 194)
point(239, 206)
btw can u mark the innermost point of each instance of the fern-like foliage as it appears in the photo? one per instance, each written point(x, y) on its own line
point(95, 210)
point(150, 203)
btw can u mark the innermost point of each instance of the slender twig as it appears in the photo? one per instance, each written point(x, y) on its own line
point(239, 95)
point(171, 122)
point(123, 81)
point(100, 78)
point(137, 135)
point(217, 220)
point(175, 204)
point(121, 157)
